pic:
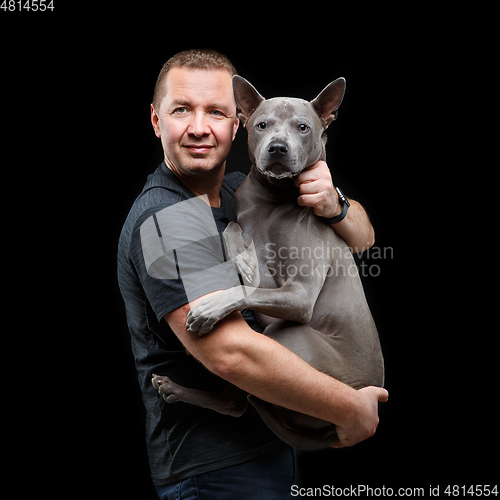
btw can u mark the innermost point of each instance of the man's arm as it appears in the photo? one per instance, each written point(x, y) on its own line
point(317, 191)
point(262, 367)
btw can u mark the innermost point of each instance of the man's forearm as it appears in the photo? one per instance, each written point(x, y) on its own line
point(266, 369)
point(356, 229)
point(271, 372)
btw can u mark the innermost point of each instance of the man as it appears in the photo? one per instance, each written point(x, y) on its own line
point(195, 451)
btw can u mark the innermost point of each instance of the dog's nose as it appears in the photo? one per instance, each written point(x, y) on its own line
point(277, 149)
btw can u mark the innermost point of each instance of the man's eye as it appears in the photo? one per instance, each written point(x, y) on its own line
point(180, 110)
point(216, 112)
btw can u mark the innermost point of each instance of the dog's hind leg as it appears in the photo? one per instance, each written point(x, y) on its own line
point(230, 400)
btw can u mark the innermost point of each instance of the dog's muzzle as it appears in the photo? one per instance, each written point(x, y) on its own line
point(277, 171)
point(277, 163)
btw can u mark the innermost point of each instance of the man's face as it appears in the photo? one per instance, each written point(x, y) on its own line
point(197, 119)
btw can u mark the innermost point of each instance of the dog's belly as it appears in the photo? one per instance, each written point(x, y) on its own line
point(353, 358)
point(337, 356)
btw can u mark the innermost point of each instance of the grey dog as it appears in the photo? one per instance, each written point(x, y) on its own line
point(308, 296)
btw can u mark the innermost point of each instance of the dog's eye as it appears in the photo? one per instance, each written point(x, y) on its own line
point(261, 126)
point(303, 127)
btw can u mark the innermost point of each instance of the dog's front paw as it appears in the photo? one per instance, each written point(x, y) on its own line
point(204, 315)
point(200, 322)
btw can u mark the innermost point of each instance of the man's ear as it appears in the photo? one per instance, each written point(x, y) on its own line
point(328, 101)
point(246, 97)
point(235, 127)
point(154, 121)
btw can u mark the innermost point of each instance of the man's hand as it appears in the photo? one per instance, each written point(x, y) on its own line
point(366, 424)
point(317, 190)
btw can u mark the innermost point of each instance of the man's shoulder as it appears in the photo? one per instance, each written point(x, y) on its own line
point(159, 192)
point(165, 186)
point(162, 189)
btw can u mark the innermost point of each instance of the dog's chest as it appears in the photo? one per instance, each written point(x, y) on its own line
point(284, 236)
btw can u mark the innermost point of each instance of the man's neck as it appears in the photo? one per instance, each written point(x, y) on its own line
point(208, 184)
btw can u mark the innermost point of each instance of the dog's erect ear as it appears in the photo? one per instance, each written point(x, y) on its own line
point(328, 101)
point(246, 97)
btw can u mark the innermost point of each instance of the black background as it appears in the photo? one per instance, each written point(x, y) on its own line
point(78, 84)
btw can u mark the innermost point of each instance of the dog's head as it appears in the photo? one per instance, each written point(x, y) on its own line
point(286, 135)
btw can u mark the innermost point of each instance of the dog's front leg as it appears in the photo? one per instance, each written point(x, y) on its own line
point(204, 315)
point(292, 301)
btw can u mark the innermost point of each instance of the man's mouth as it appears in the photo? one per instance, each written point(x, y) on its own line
point(198, 148)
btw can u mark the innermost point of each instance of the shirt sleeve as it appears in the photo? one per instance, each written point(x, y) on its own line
point(178, 255)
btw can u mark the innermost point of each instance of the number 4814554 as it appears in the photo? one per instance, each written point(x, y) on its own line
point(34, 5)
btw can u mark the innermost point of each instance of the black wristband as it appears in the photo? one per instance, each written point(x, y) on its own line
point(341, 216)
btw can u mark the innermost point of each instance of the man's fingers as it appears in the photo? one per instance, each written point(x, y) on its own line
point(366, 425)
point(373, 391)
point(337, 445)
point(383, 395)
point(308, 174)
point(311, 187)
point(309, 200)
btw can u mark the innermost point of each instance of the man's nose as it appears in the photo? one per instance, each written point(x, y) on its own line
point(199, 125)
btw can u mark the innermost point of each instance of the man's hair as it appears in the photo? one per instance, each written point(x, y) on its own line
point(194, 58)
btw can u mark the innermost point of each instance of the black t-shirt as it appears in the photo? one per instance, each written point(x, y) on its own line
point(171, 252)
